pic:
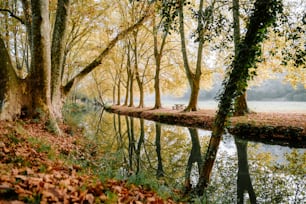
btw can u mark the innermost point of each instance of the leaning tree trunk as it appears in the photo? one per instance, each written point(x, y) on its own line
point(263, 16)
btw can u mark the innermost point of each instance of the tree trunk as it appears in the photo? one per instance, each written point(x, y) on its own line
point(141, 95)
point(119, 91)
point(183, 43)
point(263, 16)
point(12, 91)
point(131, 90)
point(126, 98)
point(138, 80)
point(157, 103)
point(193, 78)
point(193, 99)
point(128, 68)
point(158, 56)
point(40, 77)
point(57, 55)
point(27, 20)
point(114, 93)
point(241, 107)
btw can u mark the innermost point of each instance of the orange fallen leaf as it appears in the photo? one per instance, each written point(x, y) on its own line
point(5, 186)
point(90, 198)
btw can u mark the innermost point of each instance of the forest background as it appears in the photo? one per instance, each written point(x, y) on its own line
point(120, 50)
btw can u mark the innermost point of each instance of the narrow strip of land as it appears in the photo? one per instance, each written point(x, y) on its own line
point(284, 128)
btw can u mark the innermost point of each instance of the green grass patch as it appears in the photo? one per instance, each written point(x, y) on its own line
point(42, 146)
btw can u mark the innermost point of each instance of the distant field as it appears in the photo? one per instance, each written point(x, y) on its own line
point(257, 106)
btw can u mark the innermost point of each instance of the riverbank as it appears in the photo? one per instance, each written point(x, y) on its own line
point(287, 129)
point(37, 166)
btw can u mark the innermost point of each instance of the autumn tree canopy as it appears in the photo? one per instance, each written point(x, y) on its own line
point(53, 47)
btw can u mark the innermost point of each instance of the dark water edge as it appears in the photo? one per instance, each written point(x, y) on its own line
point(166, 156)
point(280, 135)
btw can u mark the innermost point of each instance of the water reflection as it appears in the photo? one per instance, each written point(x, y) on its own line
point(194, 158)
point(244, 183)
point(244, 172)
point(160, 170)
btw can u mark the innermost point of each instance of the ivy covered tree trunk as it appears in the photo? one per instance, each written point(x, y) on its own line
point(241, 106)
point(264, 14)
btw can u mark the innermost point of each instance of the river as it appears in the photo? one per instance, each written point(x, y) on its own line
point(166, 157)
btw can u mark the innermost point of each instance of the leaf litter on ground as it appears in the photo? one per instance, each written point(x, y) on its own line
point(31, 170)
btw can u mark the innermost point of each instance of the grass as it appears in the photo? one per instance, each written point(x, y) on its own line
point(43, 146)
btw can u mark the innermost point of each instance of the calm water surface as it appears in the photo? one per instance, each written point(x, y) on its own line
point(168, 157)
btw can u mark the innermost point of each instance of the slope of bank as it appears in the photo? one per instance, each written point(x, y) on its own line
point(37, 166)
point(277, 128)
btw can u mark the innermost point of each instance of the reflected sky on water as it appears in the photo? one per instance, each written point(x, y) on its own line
point(244, 172)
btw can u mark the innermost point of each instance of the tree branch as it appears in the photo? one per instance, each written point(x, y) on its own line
point(13, 15)
point(98, 60)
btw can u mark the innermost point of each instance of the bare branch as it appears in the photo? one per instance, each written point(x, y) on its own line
point(13, 15)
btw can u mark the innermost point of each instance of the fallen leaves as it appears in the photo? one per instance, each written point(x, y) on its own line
point(28, 175)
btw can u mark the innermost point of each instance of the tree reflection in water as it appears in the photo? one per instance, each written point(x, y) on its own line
point(136, 147)
point(160, 170)
point(243, 181)
point(195, 157)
